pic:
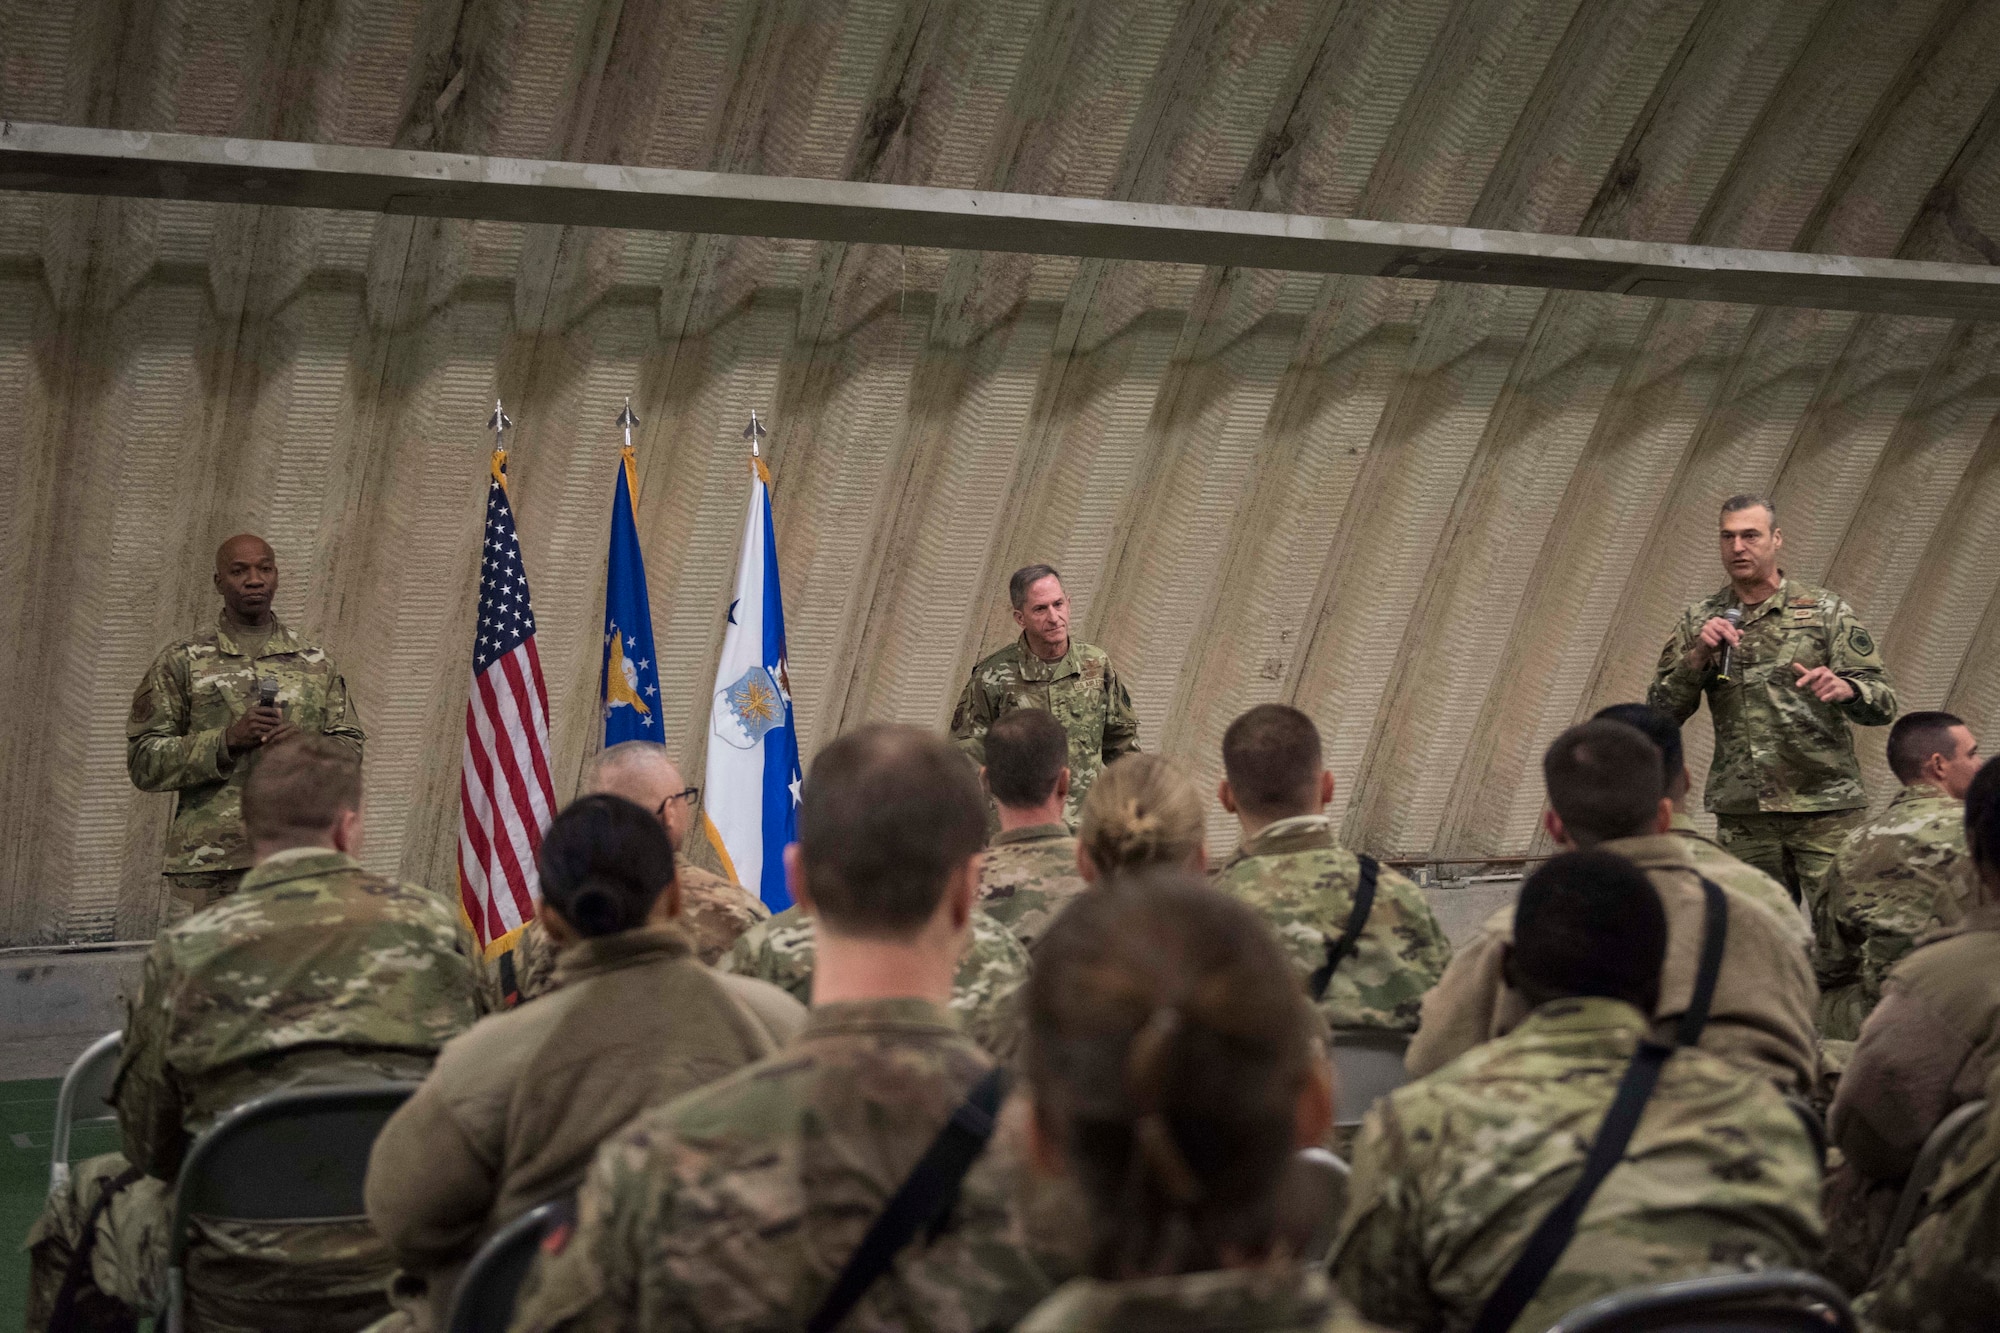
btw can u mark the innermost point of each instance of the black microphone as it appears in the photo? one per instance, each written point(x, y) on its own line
point(1734, 615)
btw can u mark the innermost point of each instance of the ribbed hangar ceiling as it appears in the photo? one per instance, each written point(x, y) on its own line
point(1446, 520)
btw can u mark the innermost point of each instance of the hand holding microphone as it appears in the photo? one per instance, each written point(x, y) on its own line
point(1721, 633)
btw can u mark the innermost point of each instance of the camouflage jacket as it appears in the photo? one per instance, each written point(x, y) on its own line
point(732, 1209)
point(1281, 1299)
point(1081, 689)
point(1030, 874)
point(781, 951)
point(1302, 881)
point(173, 739)
point(1453, 1173)
point(1896, 874)
point(1709, 858)
point(1776, 746)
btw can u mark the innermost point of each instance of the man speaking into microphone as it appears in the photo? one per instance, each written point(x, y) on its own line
point(1786, 666)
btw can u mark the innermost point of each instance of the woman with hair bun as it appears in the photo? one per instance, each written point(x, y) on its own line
point(1143, 811)
point(1172, 1074)
point(514, 1109)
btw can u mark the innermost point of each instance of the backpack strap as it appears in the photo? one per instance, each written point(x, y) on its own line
point(1350, 934)
point(1552, 1236)
point(1714, 936)
point(510, 982)
point(924, 1199)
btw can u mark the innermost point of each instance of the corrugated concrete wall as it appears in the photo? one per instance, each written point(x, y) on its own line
point(1446, 521)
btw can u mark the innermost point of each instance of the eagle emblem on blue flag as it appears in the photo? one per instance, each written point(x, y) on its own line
point(748, 707)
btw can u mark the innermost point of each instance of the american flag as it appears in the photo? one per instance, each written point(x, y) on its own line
point(505, 796)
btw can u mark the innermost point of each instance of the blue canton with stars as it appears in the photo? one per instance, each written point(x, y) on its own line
point(506, 619)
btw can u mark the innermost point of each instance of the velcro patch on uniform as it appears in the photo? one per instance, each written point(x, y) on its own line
point(1804, 617)
point(556, 1239)
point(1803, 601)
point(1860, 641)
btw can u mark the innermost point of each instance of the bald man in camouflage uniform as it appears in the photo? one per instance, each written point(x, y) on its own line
point(314, 972)
point(1784, 784)
point(198, 716)
point(1046, 669)
point(1031, 866)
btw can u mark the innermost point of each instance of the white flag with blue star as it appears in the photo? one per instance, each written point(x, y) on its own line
point(752, 795)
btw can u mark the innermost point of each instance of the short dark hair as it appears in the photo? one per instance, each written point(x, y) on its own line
point(1025, 754)
point(888, 813)
point(297, 789)
point(1605, 780)
point(1273, 758)
point(1026, 577)
point(1918, 736)
point(1591, 923)
point(604, 862)
point(1736, 504)
point(1982, 817)
point(1656, 725)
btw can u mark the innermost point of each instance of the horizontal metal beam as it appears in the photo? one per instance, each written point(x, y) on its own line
point(67, 160)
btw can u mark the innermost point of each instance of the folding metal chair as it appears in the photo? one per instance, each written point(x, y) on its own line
point(484, 1301)
point(84, 1099)
point(1937, 1150)
point(295, 1156)
point(1780, 1300)
point(1369, 1062)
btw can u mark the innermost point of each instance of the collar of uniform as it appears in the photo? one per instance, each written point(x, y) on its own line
point(628, 948)
point(1034, 668)
point(1279, 1295)
point(1652, 851)
point(1586, 1013)
point(296, 863)
point(902, 1014)
point(1297, 833)
point(1771, 605)
point(1683, 826)
point(282, 640)
point(1919, 791)
point(1030, 833)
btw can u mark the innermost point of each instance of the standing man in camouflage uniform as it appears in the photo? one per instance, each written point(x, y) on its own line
point(1454, 1172)
point(1031, 870)
point(314, 971)
point(1784, 785)
point(1900, 871)
point(1046, 669)
point(1296, 875)
point(735, 1207)
point(202, 710)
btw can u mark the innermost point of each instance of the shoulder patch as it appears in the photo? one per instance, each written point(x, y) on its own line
point(1861, 641)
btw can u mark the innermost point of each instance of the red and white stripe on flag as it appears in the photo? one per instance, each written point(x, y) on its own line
point(506, 798)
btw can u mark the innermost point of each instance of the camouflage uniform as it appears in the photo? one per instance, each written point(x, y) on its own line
point(732, 1209)
point(1284, 1298)
point(781, 951)
point(314, 972)
point(1030, 874)
point(1784, 782)
point(1708, 858)
point(1454, 1172)
point(173, 742)
point(1896, 874)
point(1080, 689)
point(1302, 882)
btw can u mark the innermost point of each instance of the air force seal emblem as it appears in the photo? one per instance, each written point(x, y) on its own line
point(747, 708)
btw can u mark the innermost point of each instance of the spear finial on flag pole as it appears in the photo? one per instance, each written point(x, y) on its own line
point(499, 423)
point(754, 432)
point(627, 421)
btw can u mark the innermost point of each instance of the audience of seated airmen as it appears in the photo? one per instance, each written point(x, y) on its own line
point(1453, 1173)
point(1173, 1071)
point(314, 971)
point(714, 911)
point(514, 1109)
point(1149, 815)
point(1931, 1045)
point(1899, 872)
point(1606, 789)
point(1031, 862)
point(1294, 873)
point(735, 1208)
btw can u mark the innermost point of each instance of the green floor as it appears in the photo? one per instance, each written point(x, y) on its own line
point(27, 1110)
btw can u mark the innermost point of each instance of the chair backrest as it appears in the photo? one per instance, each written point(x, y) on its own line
point(85, 1097)
point(484, 1301)
point(1937, 1150)
point(1369, 1062)
point(1778, 1300)
point(1312, 1198)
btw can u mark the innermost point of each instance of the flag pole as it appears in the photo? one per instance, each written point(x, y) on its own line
point(626, 421)
point(499, 423)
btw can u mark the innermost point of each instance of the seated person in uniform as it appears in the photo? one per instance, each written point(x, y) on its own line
point(1173, 1071)
point(1930, 1046)
point(734, 1208)
point(1606, 790)
point(1031, 862)
point(1454, 1172)
point(514, 1109)
point(314, 971)
point(1142, 811)
point(1293, 872)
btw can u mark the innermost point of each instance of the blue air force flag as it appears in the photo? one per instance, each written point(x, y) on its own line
point(629, 686)
point(753, 749)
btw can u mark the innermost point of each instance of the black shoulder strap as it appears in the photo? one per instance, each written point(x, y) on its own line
point(1350, 934)
point(1552, 1236)
point(925, 1198)
point(1714, 936)
point(510, 981)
